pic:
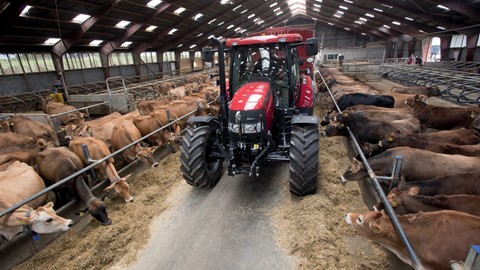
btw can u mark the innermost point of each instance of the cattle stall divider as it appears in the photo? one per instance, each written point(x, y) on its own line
point(376, 184)
point(23, 242)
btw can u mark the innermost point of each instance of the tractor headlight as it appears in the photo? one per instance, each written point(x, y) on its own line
point(233, 127)
point(252, 128)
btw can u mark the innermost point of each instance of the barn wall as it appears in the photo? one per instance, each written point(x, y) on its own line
point(83, 76)
point(146, 69)
point(32, 82)
point(124, 71)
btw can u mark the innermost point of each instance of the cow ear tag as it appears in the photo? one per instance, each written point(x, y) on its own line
point(35, 236)
point(390, 139)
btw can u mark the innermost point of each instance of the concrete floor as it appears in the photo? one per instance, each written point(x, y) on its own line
point(222, 228)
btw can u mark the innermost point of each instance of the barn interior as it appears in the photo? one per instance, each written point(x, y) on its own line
point(104, 57)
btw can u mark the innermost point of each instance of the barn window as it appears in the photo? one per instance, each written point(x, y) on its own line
point(149, 57)
point(458, 41)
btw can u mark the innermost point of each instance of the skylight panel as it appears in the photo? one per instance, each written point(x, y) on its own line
point(154, 3)
point(237, 7)
point(80, 18)
point(244, 11)
point(277, 9)
point(279, 13)
point(193, 46)
point(220, 23)
point(363, 34)
point(151, 28)
point(396, 23)
point(230, 26)
point(172, 31)
point(369, 15)
point(126, 44)
point(340, 12)
point(337, 16)
point(348, 1)
point(179, 10)
point(51, 41)
point(297, 7)
point(363, 19)
point(343, 7)
point(386, 26)
point(95, 42)
point(316, 9)
point(443, 7)
point(122, 24)
point(441, 28)
point(210, 22)
point(25, 10)
point(348, 29)
point(274, 4)
point(330, 23)
point(377, 9)
point(199, 35)
point(197, 16)
point(251, 16)
point(317, 5)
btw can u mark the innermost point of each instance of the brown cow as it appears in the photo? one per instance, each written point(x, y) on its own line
point(24, 155)
point(39, 130)
point(147, 124)
point(462, 183)
point(55, 164)
point(126, 133)
point(178, 93)
point(4, 127)
point(193, 87)
point(71, 117)
point(439, 117)
point(19, 182)
point(417, 164)
point(407, 202)
point(418, 90)
point(437, 237)
point(163, 87)
point(98, 150)
point(146, 107)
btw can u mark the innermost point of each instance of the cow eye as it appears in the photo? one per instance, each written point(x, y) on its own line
point(49, 220)
point(145, 156)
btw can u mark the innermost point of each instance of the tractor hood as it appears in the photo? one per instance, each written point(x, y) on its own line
point(251, 96)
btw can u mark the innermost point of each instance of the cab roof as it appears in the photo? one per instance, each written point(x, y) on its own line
point(284, 38)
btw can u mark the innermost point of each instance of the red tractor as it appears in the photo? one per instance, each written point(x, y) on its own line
point(266, 114)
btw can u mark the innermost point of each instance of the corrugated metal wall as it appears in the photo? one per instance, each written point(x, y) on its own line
point(148, 68)
point(125, 71)
point(83, 76)
point(32, 82)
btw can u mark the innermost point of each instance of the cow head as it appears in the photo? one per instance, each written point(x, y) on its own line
point(355, 172)
point(145, 155)
point(97, 209)
point(45, 220)
point(371, 149)
point(334, 129)
point(4, 127)
point(121, 187)
point(395, 197)
point(370, 224)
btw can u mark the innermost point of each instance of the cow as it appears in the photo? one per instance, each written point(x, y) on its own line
point(418, 90)
point(462, 183)
point(98, 150)
point(71, 116)
point(26, 155)
point(373, 112)
point(193, 87)
point(147, 124)
point(373, 130)
point(407, 202)
point(55, 164)
point(184, 107)
point(365, 99)
point(145, 107)
point(163, 87)
point(4, 127)
point(442, 118)
point(126, 133)
point(178, 93)
point(445, 148)
point(401, 99)
point(14, 139)
point(417, 164)
point(23, 125)
point(437, 237)
point(19, 182)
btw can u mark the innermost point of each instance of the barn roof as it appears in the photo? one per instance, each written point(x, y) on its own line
point(153, 25)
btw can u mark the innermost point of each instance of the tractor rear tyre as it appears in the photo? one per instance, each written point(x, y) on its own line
point(304, 146)
point(198, 168)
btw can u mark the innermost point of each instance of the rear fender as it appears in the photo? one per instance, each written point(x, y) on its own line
point(307, 93)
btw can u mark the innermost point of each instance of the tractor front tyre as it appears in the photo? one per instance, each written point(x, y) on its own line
point(304, 146)
point(198, 168)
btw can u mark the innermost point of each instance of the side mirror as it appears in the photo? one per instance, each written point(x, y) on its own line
point(311, 46)
point(207, 54)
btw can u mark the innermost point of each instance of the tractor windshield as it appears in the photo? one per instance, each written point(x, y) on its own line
point(252, 63)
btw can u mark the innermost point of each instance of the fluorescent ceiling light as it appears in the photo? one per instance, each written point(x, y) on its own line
point(441, 28)
point(316, 9)
point(172, 31)
point(320, 1)
point(220, 23)
point(122, 24)
point(236, 7)
point(274, 4)
point(279, 13)
point(369, 15)
point(199, 35)
point(396, 23)
point(198, 16)
point(95, 42)
point(230, 26)
point(358, 22)
point(260, 22)
point(151, 28)
point(180, 45)
point(80, 18)
point(348, 1)
point(193, 46)
point(236, 29)
point(251, 16)
point(348, 29)
point(443, 7)
point(377, 9)
point(364, 34)
point(51, 41)
point(386, 26)
point(340, 12)
point(343, 7)
point(337, 16)
point(126, 44)
point(422, 31)
point(314, 19)
point(317, 5)
point(244, 11)
point(25, 10)
point(179, 10)
point(277, 9)
point(210, 22)
point(256, 19)
point(363, 19)
point(330, 23)
point(408, 18)
point(211, 36)
point(154, 3)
